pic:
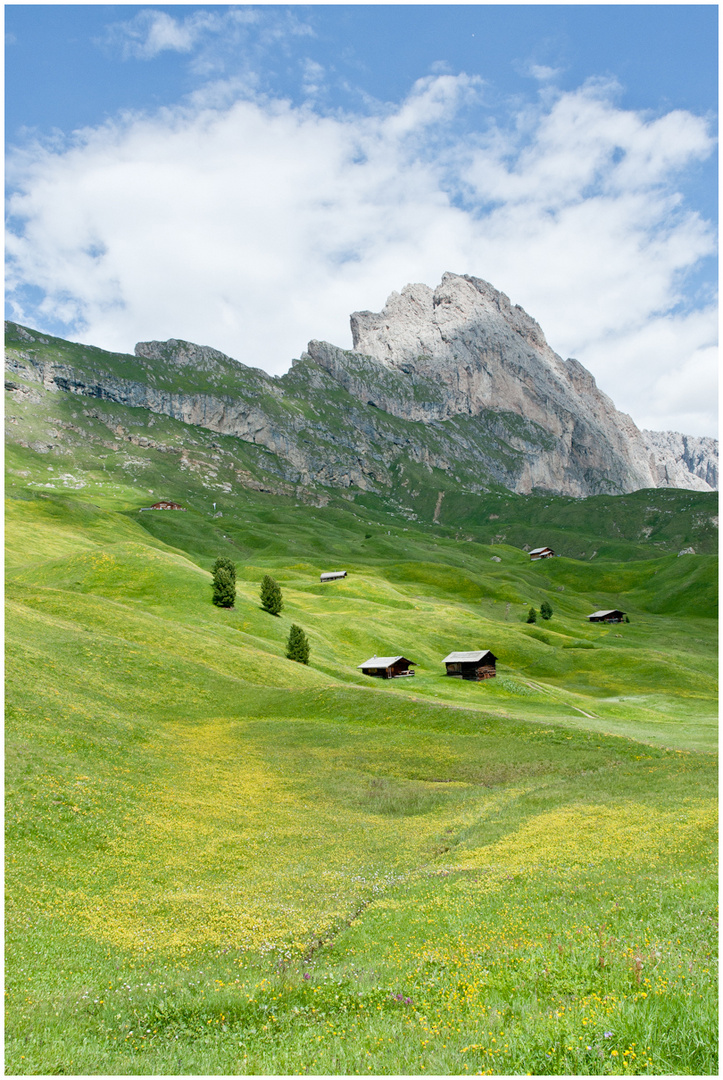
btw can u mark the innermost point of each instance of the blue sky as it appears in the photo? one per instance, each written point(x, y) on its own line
point(245, 177)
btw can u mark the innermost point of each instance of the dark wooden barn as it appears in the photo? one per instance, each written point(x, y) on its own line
point(166, 504)
point(607, 616)
point(387, 667)
point(471, 665)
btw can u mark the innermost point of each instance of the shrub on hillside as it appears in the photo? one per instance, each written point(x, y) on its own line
point(297, 647)
point(532, 615)
point(271, 599)
point(224, 588)
point(545, 610)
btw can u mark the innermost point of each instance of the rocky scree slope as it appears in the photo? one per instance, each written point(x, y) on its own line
point(454, 379)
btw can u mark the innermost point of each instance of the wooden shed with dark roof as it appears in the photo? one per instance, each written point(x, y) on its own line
point(471, 665)
point(607, 616)
point(387, 667)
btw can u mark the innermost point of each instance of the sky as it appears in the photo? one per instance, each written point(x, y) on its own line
point(245, 177)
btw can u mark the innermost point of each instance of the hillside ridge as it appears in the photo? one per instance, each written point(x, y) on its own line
point(455, 379)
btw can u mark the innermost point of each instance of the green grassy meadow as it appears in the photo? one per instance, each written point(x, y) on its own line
point(219, 861)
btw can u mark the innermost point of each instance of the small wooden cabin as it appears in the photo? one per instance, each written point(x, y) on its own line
point(607, 616)
point(166, 504)
point(387, 667)
point(471, 665)
point(541, 553)
point(332, 575)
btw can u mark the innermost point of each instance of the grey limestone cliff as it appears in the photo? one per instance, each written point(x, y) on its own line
point(683, 461)
point(455, 379)
point(464, 349)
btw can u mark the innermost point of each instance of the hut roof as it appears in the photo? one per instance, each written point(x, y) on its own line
point(467, 657)
point(385, 661)
point(537, 551)
point(600, 614)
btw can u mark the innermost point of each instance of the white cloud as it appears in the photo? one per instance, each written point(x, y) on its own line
point(213, 36)
point(542, 72)
point(676, 388)
point(152, 32)
point(684, 393)
point(252, 225)
point(312, 77)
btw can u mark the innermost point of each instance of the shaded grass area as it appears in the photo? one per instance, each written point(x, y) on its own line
point(219, 861)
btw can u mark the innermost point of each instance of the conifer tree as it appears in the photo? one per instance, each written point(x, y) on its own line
point(532, 615)
point(271, 599)
point(224, 588)
point(227, 564)
point(546, 610)
point(297, 647)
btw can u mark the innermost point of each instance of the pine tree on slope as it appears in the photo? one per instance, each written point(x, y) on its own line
point(227, 564)
point(271, 599)
point(297, 647)
point(224, 588)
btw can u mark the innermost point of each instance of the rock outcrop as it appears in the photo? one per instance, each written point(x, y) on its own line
point(455, 379)
point(683, 461)
point(464, 349)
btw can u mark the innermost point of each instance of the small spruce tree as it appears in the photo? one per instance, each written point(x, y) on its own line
point(532, 615)
point(297, 647)
point(227, 564)
point(271, 595)
point(224, 588)
point(545, 610)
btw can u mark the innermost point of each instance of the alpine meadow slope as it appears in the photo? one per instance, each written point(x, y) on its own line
point(222, 861)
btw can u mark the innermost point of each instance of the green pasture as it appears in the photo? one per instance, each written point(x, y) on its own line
point(219, 861)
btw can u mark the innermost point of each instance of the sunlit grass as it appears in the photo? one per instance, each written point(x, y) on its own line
point(219, 861)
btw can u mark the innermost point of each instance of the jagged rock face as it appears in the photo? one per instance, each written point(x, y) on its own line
point(463, 348)
point(683, 461)
point(455, 379)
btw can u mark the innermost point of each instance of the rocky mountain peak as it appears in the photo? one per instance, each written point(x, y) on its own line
point(421, 321)
point(455, 379)
point(465, 349)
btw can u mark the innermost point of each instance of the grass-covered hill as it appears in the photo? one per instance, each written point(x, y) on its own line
point(222, 861)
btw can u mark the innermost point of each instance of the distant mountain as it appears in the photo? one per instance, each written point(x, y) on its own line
point(679, 459)
point(455, 379)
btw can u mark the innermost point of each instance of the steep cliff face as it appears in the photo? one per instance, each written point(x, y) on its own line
point(683, 461)
point(455, 379)
point(464, 349)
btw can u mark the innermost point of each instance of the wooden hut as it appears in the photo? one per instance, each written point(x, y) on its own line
point(387, 667)
point(471, 665)
point(541, 553)
point(607, 616)
point(166, 504)
point(332, 575)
